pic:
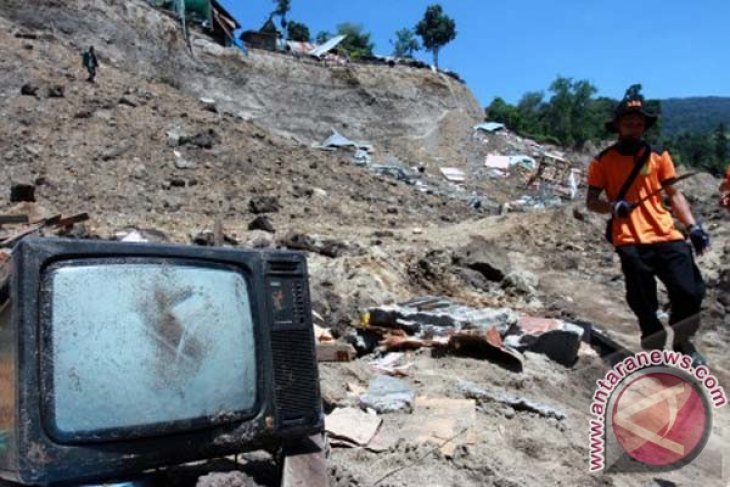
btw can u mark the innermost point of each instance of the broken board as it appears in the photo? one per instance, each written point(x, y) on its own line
point(443, 422)
point(305, 465)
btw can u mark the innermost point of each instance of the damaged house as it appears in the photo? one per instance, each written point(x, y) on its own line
point(209, 15)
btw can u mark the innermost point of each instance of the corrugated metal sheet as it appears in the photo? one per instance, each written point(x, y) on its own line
point(327, 46)
point(490, 126)
point(453, 174)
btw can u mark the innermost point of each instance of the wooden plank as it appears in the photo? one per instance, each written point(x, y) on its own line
point(70, 220)
point(335, 352)
point(305, 465)
point(8, 219)
point(54, 221)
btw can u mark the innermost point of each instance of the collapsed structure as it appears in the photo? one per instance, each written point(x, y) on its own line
point(209, 15)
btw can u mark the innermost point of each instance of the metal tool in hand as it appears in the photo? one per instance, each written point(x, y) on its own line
point(671, 183)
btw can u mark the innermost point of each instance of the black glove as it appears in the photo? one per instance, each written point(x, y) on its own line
point(621, 209)
point(700, 238)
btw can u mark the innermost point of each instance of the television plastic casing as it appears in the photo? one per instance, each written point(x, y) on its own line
point(288, 402)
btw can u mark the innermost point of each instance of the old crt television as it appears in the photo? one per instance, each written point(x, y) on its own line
point(119, 357)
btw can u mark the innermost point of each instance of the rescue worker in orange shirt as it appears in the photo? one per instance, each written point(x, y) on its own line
point(725, 190)
point(644, 235)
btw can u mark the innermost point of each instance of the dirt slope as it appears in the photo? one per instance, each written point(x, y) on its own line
point(302, 99)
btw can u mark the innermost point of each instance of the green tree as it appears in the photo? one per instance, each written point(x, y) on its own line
point(694, 149)
point(721, 147)
point(322, 37)
point(531, 111)
point(405, 44)
point(502, 112)
point(581, 128)
point(282, 8)
point(436, 30)
point(560, 111)
point(357, 43)
point(297, 31)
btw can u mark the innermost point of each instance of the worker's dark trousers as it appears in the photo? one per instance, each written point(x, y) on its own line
point(673, 263)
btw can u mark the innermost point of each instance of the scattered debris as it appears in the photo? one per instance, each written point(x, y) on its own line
point(445, 422)
point(132, 234)
point(453, 174)
point(388, 395)
point(339, 141)
point(490, 127)
point(13, 219)
point(557, 339)
point(127, 102)
point(56, 91)
point(323, 49)
point(182, 163)
point(505, 163)
point(473, 391)
point(327, 247)
point(351, 426)
point(207, 238)
point(262, 222)
point(396, 172)
point(435, 316)
point(362, 157)
point(53, 224)
point(203, 140)
point(486, 345)
point(557, 175)
point(395, 341)
point(22, 192)
point(29, 89)
point(394, 364)
point(264, 204)
point(209, 104)
point(335, 352)
point(322, 335)
point(173, 137)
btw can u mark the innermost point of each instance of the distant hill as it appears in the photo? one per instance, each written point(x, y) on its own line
point(698, 114)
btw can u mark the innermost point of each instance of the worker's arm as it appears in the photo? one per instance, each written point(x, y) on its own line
point(680, 206)
point(725, 186)
point(594, 203)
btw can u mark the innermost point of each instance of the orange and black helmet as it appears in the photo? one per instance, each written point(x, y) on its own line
point(633, 102)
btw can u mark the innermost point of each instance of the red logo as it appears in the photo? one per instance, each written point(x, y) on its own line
point(661, 419)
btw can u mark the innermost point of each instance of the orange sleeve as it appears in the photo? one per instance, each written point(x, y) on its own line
point(666, 169)
point(727, 174)
point(596, 178)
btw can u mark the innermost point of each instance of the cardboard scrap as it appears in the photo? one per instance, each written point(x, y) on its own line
point(352, 425)
point(434, 421)
point(322, 334)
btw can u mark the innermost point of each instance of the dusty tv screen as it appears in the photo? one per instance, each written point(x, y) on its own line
point(133, 346)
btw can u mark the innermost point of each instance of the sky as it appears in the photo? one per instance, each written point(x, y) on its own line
point(674, 48)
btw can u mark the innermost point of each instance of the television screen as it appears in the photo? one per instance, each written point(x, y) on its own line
point(136, 347)
point(116, 358)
